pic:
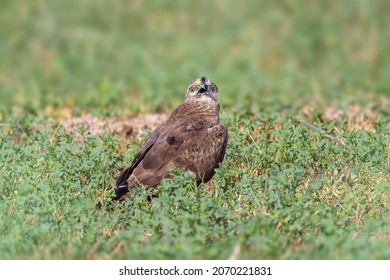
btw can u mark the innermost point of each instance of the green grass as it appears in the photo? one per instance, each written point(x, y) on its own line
point(294, 184)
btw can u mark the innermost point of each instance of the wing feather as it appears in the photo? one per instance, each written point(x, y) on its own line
point(198, 150)
point(190, 144)
point(125, 173)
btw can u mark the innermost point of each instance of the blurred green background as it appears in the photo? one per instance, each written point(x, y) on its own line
point(126, 57)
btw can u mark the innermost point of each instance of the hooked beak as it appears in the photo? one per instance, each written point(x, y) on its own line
point(202, 86)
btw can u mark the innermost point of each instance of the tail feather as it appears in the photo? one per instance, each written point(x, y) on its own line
point(119, 193)
point(121, 190)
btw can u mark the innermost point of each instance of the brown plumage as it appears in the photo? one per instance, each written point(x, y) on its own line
point(191, 138)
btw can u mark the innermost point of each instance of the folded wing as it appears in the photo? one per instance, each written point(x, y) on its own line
point(192, 145)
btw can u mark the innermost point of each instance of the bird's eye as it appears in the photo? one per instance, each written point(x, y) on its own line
point(191, 89)
point(206, 80)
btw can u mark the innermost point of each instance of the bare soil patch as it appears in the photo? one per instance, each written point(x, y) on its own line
point(132, 128)
point(129, 129)
point(359, 118)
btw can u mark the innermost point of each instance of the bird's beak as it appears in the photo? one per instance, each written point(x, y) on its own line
point(202, 86)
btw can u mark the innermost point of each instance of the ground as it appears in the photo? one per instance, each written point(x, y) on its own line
point(129, 129)
point(304, 90)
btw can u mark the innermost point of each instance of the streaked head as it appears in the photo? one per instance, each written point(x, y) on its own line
point(202, 89)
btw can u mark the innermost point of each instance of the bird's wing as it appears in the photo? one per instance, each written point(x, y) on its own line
point(125, 173)
point(189, 145)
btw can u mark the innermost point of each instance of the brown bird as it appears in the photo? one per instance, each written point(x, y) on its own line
point(191, 138)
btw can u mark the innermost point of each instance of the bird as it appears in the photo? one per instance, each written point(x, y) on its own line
point(191, 138)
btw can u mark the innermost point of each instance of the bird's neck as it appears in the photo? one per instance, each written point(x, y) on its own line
point(198, 109)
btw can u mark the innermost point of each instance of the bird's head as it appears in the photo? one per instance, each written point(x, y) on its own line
point(202, 89)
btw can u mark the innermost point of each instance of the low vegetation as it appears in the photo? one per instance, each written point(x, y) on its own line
point(304, 92)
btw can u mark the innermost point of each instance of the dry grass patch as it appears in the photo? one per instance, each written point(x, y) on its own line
point(129, 129)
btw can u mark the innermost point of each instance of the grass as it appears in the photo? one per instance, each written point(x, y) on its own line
point(295, 184)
